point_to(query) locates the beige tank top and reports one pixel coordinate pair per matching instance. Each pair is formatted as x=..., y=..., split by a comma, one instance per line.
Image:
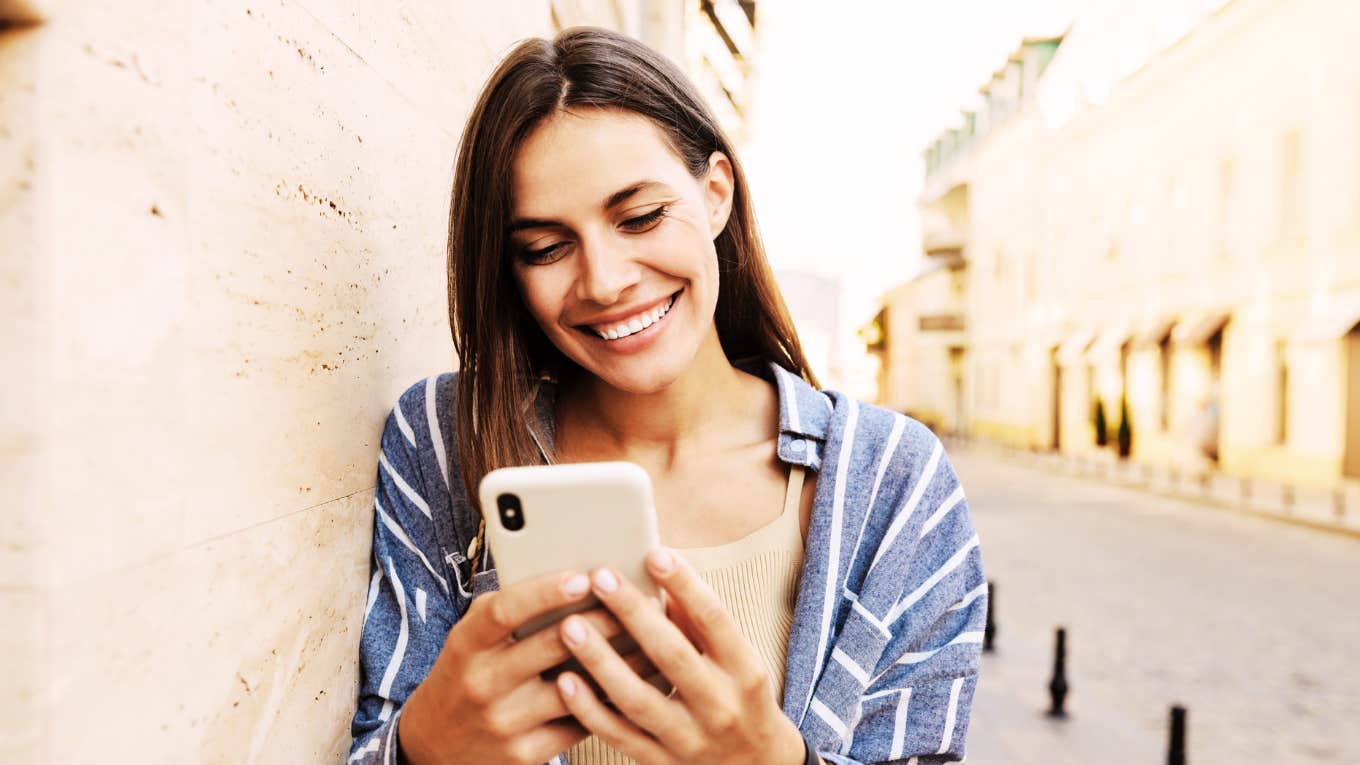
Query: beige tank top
x=757, y=579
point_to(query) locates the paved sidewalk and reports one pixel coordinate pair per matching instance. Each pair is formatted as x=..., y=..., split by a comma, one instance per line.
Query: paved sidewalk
x=1248, y=622
x=1010, y=725
x=1334, y=509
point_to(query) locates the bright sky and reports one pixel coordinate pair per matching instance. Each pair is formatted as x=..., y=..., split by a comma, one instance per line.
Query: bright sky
x=847, y=96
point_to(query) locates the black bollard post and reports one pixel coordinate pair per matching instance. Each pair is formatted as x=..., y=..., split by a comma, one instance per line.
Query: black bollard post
x=989, y=632
x=1057, y=687
x=1175, y=753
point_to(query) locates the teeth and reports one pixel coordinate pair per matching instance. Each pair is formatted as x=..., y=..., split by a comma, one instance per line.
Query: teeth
x=636, y=324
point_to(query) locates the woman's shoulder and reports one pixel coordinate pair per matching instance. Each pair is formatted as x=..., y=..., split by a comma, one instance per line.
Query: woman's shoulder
x=891, y=457
x=860, y=438
x=419, y=441
x=437, y=388
x=420, y=460
x=424, y=415
x=874, y=430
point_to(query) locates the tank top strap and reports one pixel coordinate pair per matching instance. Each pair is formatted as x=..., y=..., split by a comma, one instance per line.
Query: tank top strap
x=794, y=493
x=790, y=518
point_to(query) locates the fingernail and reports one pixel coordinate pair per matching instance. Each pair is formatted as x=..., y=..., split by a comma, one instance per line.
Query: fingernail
x=605, y=581
x=662, y=561
x=567, y=685
x=575, y=632
x=576, y=585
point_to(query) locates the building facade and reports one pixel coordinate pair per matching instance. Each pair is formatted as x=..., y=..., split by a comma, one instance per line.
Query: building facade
x=714, y=41
x=1163, y=216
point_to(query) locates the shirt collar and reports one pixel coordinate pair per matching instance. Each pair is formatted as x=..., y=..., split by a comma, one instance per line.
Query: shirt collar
x=804, y=413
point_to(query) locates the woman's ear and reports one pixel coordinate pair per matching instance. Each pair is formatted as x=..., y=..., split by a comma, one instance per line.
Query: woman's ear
x=718, y=190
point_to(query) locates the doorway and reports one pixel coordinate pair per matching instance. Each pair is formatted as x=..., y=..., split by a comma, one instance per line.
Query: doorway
x=956, y=367
x=1056, y=404
x=1351, y=461
x=1214, y=406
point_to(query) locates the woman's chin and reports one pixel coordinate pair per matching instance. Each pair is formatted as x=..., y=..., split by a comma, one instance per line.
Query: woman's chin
x=640, y=375
x=640, y=382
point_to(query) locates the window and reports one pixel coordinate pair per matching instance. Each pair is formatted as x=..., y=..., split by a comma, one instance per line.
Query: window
x=1090, y=391
x=1291, y=186
x=1281, y=393
x=996, y=386
x=1227, y=182
x=1031, y=276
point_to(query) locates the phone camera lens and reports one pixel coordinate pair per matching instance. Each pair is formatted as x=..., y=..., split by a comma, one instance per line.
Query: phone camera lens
x=512, y=515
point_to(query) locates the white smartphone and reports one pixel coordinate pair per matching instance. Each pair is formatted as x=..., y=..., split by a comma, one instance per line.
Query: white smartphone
x=546, y=518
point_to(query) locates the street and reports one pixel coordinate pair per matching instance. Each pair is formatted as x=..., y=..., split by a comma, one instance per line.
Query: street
x=1250, y=623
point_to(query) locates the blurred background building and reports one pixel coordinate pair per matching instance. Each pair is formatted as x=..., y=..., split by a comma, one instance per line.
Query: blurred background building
x=713, y=40
x=1157, y=211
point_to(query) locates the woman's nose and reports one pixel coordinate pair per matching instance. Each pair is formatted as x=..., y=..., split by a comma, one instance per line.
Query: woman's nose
x=607, y=270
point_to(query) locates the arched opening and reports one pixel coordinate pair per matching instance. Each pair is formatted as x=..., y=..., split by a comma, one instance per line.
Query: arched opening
x=1350, y=466
x=1056, y=400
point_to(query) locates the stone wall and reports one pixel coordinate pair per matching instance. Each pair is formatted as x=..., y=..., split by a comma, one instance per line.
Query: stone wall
x=223, y=230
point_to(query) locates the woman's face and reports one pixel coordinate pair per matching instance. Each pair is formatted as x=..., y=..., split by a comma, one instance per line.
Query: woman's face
x=612, y=241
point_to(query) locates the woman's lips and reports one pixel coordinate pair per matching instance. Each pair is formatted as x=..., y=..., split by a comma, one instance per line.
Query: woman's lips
x=636, y=341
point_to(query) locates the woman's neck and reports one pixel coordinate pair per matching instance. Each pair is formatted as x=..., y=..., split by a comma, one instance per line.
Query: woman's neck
x=712, y=405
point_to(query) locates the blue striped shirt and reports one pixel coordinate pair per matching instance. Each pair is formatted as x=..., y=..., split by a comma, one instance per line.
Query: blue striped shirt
x=884, y=650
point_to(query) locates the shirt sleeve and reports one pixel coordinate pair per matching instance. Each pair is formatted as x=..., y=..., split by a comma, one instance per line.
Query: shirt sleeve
x=409, y=609
x=916, y=706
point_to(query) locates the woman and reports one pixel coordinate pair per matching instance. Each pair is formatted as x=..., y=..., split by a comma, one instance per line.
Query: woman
x=611, y=300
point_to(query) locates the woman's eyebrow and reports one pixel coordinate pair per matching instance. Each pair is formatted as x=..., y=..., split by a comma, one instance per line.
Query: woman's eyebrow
x=613, y=200
x=622, y=195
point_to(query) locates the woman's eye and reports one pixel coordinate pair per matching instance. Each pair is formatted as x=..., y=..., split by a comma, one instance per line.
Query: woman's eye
x=644, y=222
x=543, y=256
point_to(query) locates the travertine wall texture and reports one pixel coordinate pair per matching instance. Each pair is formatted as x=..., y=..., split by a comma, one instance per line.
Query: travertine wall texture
x=222, y=227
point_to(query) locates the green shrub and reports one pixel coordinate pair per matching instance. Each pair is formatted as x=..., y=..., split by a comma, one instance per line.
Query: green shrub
x=1125, y=435
x=1102, y=433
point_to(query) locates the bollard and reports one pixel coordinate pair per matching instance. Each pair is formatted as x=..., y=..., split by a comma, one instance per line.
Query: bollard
x=1057, y=687
x=989, y=632
x=1175, y=753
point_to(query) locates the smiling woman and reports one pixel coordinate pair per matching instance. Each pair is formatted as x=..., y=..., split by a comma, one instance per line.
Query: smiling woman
x=616, y=253
x=610, y=300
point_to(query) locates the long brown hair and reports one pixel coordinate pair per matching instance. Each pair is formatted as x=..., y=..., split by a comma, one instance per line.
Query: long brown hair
x=501, y=349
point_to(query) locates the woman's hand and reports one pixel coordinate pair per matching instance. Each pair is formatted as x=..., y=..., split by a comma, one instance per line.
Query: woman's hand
x=723, y=710
x=484, y=700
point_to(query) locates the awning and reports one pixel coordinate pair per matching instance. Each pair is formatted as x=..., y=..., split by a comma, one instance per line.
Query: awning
x=1330, y=324
x=1198, y=328
x=1152, y=332
x=1071, y=350
x=1108, y=342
